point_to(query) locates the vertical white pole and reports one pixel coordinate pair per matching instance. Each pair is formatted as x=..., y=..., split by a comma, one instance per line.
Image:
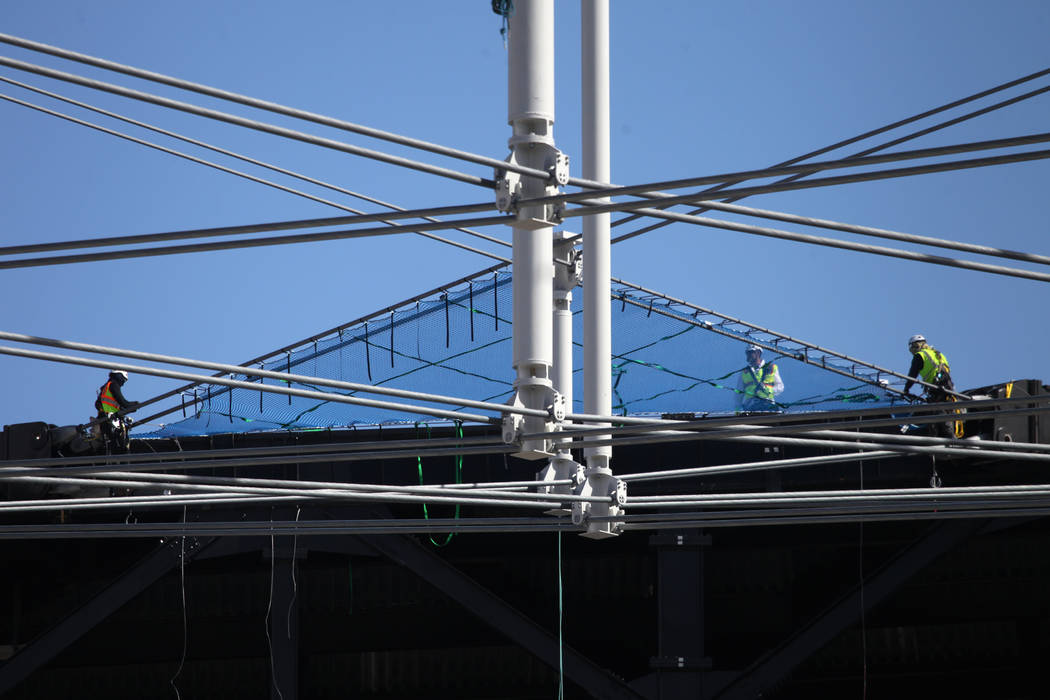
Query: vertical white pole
x=597, y=343
x=597, y=339
x=530, y=112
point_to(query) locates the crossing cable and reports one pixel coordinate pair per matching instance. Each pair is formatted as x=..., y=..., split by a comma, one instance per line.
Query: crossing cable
x=840, y=441
x=256, y=242
x=254, y=386
x=520, y=525
x=914, y=154
x=222, y=168
x=274, y=107
x=314, y=490
x=881, y=233
x=320, y=119
x=587, y=210
x=847, y=420
x=922, y=496
x=203, y=493
x=220, y=231
x=166, y=460
x=260, y=462
x=978, y=409
x=824, y=443
x=247, y=123
x=286, y=377
x=303, y=528
x=837, y=243
x=764, y=465
x=876, y=148
x=395, y=449
x=232, y=154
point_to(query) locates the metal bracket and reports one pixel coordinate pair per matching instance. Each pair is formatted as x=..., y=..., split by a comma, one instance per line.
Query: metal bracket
x=508, y=189
x=567, y=277
x=559, y=169
x=513, y=424
x=556, y=409
x=511, y=428
x=599, y=484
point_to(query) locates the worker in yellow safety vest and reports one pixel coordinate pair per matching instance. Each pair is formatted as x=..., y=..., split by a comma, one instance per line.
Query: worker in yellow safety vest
x=931, y=366
x=758, y=383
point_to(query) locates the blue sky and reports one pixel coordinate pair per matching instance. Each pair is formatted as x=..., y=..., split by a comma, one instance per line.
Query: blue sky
x=697, y=88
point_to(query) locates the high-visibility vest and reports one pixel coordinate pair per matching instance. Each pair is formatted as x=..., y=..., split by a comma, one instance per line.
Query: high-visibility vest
x=933, y=362
x=760, y=384
x=106, y=399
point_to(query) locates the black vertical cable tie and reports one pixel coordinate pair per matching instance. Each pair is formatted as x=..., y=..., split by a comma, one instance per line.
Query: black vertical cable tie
x=391, y=339
x=470, y=292
x=288, y=368
x=495, y=298
x=340, y=354
x=182, y=400
x=419, y=351
x=368, y=359
x=448, y=330
x=315, y=358
x=262, y=381
x=229, y=403
x=196, y=403
x=650, y=311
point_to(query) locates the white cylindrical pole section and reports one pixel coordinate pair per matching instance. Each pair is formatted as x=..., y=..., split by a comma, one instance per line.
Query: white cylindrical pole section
x=566, y=278
x=530, y=93
x=597, y=372
x=530, y=112
x=563, y=345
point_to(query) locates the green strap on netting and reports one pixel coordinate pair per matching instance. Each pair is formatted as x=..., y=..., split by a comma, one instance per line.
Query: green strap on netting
x=459, y=480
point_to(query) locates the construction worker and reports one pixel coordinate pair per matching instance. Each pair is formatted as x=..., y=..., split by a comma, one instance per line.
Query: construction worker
x=930, y=365
x=111, y=401
x=758, y=383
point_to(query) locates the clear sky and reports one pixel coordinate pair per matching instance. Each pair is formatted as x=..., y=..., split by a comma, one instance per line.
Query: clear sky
x=697, y=88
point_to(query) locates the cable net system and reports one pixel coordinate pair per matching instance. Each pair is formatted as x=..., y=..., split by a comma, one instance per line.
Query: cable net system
x=668, y=357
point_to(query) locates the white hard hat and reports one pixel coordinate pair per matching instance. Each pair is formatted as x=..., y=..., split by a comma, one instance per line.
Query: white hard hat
x=753, y=348
x=917, y=338
x=119, y=373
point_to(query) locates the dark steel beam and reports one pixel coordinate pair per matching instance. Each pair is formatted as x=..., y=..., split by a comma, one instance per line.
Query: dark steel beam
x=135, y=580
x=776, y=664
x=284, y=620
x=487, y=606
x=680, y=662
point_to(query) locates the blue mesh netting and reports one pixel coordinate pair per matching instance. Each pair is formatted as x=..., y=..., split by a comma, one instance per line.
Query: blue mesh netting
x=667, y=358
